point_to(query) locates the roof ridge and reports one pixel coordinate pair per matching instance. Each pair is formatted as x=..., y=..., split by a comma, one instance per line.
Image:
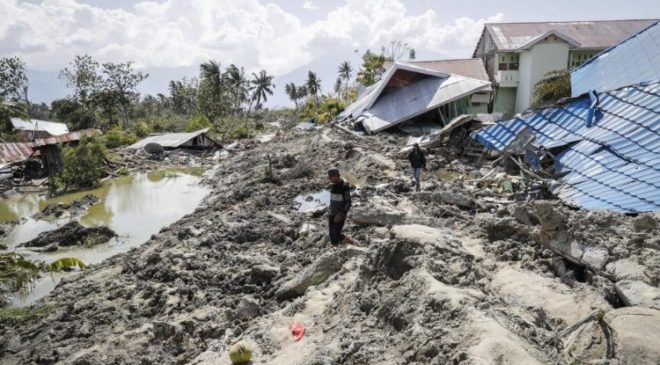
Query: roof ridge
x=575, y=21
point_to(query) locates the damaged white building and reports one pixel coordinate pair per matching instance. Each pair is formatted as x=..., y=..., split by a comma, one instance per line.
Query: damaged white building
x=420, y=93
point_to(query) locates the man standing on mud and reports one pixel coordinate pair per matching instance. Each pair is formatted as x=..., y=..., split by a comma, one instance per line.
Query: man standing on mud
x=417, y=162
x=340, y=203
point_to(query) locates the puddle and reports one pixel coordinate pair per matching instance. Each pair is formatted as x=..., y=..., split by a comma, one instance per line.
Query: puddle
x=313, y=201
x=134, y=206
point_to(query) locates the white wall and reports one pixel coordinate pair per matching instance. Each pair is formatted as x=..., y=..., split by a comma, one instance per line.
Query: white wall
x=534, y=64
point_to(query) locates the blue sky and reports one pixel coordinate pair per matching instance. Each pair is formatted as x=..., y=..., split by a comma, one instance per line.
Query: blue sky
x=169, y=38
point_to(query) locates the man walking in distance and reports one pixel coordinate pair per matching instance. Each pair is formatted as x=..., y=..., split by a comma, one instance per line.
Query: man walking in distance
x=417, y=162
x=340, y=203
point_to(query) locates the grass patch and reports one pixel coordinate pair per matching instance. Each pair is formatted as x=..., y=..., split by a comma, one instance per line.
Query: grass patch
x=14, y=315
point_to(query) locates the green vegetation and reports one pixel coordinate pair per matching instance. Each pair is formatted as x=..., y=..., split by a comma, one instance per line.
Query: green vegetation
x=198, y=122
x=82, y=166
x=117, y=137
x=12, y=315
x=17, y=274
x=555, y=85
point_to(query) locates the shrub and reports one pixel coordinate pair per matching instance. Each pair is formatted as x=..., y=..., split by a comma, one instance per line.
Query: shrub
x=198, y=122
x=142, y=129
x=82, y=166
x=116, y=137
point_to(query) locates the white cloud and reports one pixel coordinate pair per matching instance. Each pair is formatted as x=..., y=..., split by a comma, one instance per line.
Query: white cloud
x=309, y=5
x=252, y=33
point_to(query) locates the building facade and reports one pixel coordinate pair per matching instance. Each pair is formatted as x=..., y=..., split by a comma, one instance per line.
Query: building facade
x=519, y=55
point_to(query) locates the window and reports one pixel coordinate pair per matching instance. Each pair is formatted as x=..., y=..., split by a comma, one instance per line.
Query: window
x=513, y=66
x=503, y=66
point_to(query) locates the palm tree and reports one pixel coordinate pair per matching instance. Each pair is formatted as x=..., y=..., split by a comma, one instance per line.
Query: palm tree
x=211, y=73
x=313, y=84
x=292, y=91
x=338, y=87
x=239, y=84
x=263, y=86
x=301, y=92
x=345, y=73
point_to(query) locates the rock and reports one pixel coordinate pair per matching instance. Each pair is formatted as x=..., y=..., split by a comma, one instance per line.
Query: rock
x=626, y=269
x=248, y=308
x=316, y=273
x=9, y=194
x=71, y=234
x=638, y=293
x=525, y=216
x=456, y=198
x=154, y=149
x=263, y=273
x=635, y=333
x=377, y=215
x=595, y=257
x=645, y=223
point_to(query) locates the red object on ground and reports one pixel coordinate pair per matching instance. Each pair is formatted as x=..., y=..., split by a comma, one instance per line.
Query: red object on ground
x=297, y=330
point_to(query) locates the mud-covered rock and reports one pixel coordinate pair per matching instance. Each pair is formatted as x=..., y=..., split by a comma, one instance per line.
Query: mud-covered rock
x=59, y=210
x=72, y=234
x=638, y=294
x=377, y=215
x=316, y=273
x=635, y=334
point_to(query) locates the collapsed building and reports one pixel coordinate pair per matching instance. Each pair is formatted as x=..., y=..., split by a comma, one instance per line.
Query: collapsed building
x=197, y=140
x=44, y=148
x=603, y=144
x=31, y=129
x=422, y=94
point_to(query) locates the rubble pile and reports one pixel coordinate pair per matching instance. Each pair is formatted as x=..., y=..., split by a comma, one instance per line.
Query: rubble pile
x=127, y=160
x=465, y=272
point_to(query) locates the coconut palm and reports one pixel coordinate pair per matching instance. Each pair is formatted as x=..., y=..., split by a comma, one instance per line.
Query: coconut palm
x=263, y=86
x=313, y=84
x=211, y=73
x=239, y=85
x=345, y=73
x=292, y=91
x=338, y=87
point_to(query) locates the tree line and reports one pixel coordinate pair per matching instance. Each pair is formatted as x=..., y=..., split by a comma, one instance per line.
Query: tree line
x=105, y=96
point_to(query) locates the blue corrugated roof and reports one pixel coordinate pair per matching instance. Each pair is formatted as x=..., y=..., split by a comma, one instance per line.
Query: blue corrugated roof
x=633, y=61
x=613, y=162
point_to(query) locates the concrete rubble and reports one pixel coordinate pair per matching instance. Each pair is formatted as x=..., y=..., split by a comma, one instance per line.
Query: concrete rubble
x=472, y=270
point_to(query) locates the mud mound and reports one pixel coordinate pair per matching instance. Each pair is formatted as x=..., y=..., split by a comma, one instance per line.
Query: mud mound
x=77, y=208
x=71, y=234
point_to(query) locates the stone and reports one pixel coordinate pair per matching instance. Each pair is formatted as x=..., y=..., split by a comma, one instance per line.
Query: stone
x=525, y=216
x=377, y=215
x=638, y=293
x=248, y=308
x=595, y=257
x=635, y=334
x=263, y=273
x=626, y=269
x=316, y=273
x=645, y=223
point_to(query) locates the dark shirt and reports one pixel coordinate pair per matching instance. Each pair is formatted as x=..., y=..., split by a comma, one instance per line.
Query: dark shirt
x=417, y=158
x=340, y=198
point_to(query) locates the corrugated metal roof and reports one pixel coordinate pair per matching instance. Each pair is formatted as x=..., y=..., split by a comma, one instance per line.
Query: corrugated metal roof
x=469, y=67
x=18, y=152
x=612, y=161
x=68, y=137
x=52, y=128
x=14, y=152
x=416, y=99
x=169, y=139
x=587, y=34
x=633, y=61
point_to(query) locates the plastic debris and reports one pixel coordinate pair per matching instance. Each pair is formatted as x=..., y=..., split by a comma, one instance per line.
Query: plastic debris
x=297, y=330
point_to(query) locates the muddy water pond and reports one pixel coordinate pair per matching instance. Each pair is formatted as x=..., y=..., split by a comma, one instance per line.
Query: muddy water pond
x=134, y=206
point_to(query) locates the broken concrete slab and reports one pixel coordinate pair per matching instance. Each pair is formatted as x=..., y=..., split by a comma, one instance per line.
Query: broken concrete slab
x=626, y=269
x=638, y=293
x=316, y=273
x=635, y=334
x=377, y=215
x=529, y=289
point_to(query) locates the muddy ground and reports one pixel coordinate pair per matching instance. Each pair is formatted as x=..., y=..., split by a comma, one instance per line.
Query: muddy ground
x=450, y=275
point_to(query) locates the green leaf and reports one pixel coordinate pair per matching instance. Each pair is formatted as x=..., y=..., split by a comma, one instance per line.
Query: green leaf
x=65, y=263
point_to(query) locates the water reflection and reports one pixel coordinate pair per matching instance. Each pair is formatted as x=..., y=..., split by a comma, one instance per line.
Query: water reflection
x=135, y=207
